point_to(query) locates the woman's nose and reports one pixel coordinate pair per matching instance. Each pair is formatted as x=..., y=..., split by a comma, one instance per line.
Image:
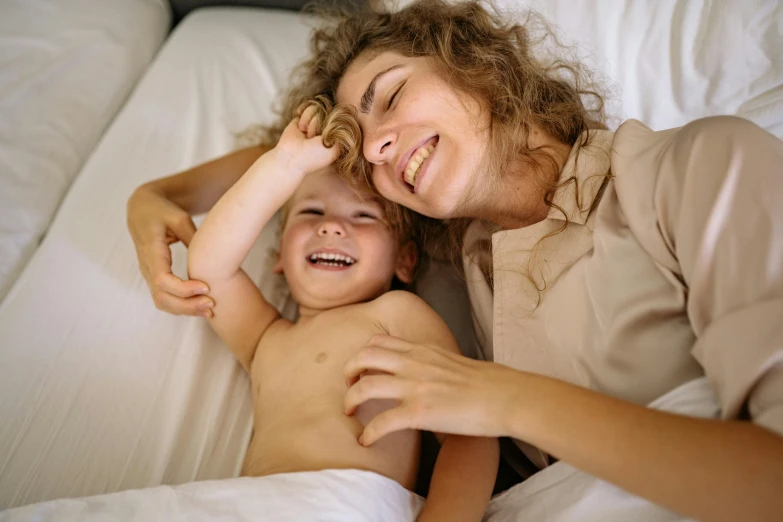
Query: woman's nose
x=379, y=146
x=331, y=227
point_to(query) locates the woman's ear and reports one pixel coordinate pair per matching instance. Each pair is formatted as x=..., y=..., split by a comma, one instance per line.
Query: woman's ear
x=407, y=260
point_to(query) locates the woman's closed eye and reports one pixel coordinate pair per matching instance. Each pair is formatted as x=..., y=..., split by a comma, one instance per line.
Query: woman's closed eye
x=365, y=215
x=312, y=211
x=395, y=95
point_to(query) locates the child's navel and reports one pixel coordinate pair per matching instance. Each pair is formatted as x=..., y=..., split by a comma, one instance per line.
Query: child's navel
x=321, y=357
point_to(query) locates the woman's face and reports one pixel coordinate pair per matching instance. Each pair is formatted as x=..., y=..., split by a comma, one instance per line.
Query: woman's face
x=425, y=141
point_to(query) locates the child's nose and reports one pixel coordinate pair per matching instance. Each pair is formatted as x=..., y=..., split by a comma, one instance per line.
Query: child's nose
x=331, y=228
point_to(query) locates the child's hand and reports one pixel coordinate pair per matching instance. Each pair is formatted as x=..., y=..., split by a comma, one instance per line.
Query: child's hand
x=301, y=146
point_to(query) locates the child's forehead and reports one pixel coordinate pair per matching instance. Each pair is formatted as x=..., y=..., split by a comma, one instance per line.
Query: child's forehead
x=327, y=185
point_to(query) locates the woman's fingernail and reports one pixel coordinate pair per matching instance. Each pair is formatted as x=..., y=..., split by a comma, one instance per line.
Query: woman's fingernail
x=207, y=314
x=206, y=306
x=361, y=440
x=203, y=290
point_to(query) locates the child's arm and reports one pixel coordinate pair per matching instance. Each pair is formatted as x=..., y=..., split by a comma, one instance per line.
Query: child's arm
x=466, y=468
x=241, y=315
x=463, y=479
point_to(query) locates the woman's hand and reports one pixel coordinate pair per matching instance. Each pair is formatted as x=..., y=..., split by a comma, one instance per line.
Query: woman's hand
x=155, y=223
x=301, y=146
x=438, y=390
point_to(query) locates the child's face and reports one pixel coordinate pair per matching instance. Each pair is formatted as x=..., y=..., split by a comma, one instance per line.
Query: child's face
x=336, y=248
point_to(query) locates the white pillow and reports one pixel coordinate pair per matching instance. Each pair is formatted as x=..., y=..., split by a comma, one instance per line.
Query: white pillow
x=66, y=68
x=675, y=61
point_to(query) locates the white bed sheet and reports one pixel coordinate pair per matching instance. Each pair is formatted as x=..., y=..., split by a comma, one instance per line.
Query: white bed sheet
x=100, y=392
x=66, y=68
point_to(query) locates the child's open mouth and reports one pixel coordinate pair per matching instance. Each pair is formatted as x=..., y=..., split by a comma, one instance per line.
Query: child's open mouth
x=331, y=260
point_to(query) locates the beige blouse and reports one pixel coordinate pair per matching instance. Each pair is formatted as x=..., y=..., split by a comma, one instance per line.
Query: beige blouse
x=676, y=273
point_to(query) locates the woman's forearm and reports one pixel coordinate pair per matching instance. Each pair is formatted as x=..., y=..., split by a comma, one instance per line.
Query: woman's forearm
x=196, y=190
x=232, y=226
x=703, y=468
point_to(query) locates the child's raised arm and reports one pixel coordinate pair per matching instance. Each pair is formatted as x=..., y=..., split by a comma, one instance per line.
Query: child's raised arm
x=241, y=315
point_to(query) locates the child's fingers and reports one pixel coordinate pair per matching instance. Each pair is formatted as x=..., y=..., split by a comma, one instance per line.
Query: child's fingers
x=312, y=128
x=306, y=117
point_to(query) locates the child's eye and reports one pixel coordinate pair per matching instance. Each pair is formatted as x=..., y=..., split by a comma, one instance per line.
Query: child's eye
x=313, y=211
x=366, y=215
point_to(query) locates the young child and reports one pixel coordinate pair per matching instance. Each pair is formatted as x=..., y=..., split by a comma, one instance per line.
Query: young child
x=339, y=255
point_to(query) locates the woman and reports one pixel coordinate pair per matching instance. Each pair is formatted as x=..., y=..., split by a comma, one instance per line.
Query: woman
x=623, y=265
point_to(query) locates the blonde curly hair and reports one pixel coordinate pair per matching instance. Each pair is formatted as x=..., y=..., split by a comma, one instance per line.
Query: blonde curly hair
x=513, y=66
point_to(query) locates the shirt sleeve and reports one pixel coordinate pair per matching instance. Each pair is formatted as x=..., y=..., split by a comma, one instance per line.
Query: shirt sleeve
x=718, y=197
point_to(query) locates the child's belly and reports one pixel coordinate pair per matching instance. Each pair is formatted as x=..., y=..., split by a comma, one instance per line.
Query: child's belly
x=298, y=431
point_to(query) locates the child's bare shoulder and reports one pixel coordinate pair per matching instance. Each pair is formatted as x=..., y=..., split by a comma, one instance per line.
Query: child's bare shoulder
x=402, y=302
x=409, y=317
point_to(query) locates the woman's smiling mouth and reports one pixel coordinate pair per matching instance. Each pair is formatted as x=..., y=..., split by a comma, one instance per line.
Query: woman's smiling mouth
x=414, y=161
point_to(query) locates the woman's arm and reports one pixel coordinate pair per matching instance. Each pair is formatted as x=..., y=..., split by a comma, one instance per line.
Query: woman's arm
x=196, y=190
x=705, y=469
x=158, y=214
x=717, y=194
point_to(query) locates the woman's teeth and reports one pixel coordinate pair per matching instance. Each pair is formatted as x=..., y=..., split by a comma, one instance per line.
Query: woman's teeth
x=331, y=259
x=417, y=158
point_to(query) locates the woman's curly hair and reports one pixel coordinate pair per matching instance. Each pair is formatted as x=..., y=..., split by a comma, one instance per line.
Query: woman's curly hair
x=510, y=64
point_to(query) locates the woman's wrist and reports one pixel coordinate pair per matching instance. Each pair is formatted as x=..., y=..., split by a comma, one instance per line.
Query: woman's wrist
x=516, y=398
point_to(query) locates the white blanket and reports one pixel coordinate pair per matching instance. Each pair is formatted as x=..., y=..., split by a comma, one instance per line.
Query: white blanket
x=561, y=493
x=347, y=495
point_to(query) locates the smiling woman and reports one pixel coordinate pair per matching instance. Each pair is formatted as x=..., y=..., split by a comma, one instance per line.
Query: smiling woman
x=606, y=269
x=620, y=269
x=470, y=95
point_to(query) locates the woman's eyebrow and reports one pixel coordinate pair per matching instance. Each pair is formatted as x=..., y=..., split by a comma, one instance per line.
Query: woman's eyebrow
x=365, y=105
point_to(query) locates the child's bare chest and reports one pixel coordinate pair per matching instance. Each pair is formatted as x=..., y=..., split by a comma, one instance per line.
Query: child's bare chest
x=305, y=361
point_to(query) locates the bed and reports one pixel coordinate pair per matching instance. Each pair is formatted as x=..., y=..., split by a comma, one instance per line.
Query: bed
x=99, y=391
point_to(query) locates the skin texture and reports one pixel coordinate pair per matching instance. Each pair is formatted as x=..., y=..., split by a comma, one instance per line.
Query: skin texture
x=296, y=368
x=705, y=469
x=412, y=105
x=701, y=468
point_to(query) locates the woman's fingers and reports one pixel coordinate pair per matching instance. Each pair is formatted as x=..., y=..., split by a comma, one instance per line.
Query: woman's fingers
x=371, y=358
x=390, y=342
x=171, y=284
x=182, y=227
x=391, y=420
x=200, y=306
x=172, y=294
x=372, y=387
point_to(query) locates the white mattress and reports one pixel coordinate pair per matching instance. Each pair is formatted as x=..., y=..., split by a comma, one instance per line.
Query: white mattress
x=100, y=392
x=66, y=68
